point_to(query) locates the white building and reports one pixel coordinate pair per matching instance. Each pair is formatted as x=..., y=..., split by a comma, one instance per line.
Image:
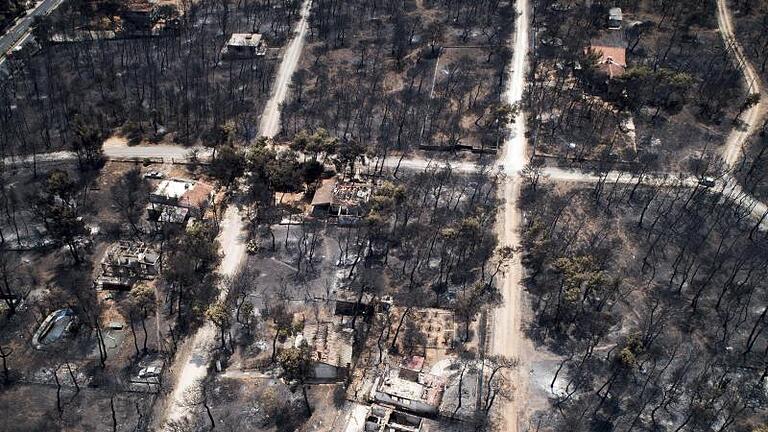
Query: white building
x=175, y=200
x=244, y=45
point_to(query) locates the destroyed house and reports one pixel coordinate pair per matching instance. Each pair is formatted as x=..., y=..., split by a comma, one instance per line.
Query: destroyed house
x=385, y=419
x=126, y=262
x=244, y=45
x=438, y=325
x=351, y=304
x=411, y=366
x=344, y=201
x=331, y=350
x=420, y=397
x=167, y=214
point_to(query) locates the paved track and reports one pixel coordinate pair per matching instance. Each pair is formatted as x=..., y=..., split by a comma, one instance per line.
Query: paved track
x=13, y=35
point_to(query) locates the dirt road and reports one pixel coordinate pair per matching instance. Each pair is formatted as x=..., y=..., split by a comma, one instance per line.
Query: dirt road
x=195, y=362
x=194, y=366
x=507, y=337
x=270, y=119
x=752, y=117
x=619, y=177
x=171, y=153
x=506, y=333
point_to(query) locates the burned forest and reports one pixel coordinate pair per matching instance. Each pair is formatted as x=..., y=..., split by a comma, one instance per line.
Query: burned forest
x=384, y=216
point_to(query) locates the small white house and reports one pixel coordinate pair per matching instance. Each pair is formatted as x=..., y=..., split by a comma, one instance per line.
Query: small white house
x=244, y=45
